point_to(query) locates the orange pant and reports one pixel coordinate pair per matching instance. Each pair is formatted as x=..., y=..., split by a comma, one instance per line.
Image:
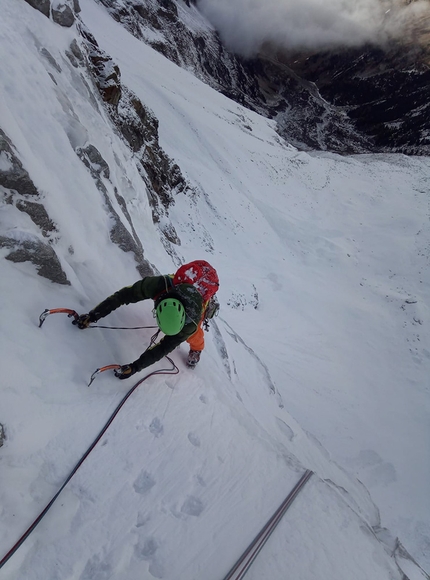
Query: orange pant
x=197, y=340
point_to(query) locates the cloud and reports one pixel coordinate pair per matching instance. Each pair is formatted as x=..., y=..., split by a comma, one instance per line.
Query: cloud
x=245, y=25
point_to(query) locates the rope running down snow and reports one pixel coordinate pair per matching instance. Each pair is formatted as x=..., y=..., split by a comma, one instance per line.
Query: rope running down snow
x=173, y=371
x=245, y=561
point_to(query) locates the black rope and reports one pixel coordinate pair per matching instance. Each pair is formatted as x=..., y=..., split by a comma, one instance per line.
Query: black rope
x=173, y=371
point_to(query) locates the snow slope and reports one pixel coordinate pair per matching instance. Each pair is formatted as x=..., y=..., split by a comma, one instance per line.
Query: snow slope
x=319, y=360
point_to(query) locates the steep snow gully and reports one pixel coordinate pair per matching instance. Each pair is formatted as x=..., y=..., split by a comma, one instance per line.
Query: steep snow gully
x=319, y=359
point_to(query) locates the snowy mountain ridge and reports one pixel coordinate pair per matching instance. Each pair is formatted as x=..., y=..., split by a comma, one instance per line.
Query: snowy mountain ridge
x=115, y=164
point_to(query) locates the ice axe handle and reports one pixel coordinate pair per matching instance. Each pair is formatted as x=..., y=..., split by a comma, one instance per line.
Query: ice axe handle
x=101, y=370
x=47, y=312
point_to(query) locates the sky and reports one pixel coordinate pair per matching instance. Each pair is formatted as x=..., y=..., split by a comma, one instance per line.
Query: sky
x=246, y=25
x=319, y=359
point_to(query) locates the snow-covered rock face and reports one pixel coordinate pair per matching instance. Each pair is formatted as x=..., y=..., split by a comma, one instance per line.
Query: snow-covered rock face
x=351, y=100
x=138, y=127
x=12, y=173
x=21, y=195
x=346, y=101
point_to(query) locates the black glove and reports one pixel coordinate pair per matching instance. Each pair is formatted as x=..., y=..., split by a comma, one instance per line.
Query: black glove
x=124, y=372
x=84, y=320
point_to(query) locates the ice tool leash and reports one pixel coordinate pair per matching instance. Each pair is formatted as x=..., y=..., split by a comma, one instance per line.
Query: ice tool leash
x=72, y=313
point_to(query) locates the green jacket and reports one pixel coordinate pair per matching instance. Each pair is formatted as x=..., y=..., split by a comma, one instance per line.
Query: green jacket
x=153, y=287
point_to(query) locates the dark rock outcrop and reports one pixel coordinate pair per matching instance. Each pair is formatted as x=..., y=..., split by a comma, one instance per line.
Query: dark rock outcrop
x=20, y=191
x=106, y=74
x=38, y=216
x=63, y=13
x=43, y=6
x=38, y=253
x=12, y=173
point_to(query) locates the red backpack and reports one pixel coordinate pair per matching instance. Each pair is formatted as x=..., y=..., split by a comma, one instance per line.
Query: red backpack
x=201, y=275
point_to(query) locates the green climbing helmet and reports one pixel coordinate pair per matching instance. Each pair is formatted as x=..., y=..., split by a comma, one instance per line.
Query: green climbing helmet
x=170, y=315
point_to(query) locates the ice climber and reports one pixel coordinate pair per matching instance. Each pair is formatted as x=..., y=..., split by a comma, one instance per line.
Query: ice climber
x=182, y=302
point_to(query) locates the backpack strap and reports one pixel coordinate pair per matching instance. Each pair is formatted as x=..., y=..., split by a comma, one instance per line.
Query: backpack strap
x=168, y=286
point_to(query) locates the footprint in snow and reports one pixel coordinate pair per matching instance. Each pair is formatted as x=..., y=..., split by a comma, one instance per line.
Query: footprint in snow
x=286, y=429
x=200, y=480
x=192, y=506
x=156, y=427
x=146, y=549
x=96, y=569
x=143, y=483
x=194, y=439
x=204, y=399
x=142, y=519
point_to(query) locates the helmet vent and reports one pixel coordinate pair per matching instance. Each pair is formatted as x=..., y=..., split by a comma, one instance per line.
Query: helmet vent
x=170, y=314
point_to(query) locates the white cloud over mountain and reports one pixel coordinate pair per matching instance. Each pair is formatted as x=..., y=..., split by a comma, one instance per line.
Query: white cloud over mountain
x=245, y=25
